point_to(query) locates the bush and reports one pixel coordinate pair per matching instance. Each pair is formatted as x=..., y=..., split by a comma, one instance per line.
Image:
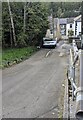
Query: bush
x=70, y=32
x=21, y=41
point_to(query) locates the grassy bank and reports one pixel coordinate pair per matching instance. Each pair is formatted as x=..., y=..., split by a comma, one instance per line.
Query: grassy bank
x=16, y=55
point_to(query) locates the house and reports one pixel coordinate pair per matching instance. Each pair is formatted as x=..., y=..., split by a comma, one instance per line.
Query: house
x=74, y=24
x=63, y=23
x=77, y=25
x=62, y=26
x=70, y=26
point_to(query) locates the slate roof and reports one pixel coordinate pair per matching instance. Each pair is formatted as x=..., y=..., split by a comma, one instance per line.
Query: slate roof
x=63, y=21
x=70, y=20
x=78, y=18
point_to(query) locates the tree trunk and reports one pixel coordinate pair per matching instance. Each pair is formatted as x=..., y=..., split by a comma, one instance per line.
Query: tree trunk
x=25, y=5
x=12, y=24
x=24, y=17
x=11, y=41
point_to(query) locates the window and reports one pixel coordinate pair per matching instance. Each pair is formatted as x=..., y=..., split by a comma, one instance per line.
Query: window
x=76, y=23
x=70, y=25
x=62, y=26
x=75, y=28
x=51, y=31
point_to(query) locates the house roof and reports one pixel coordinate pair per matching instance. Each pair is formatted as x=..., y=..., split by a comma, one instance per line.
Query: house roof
x=66, y=20
x=70, y=20
x=78, y=18
x=63, y=20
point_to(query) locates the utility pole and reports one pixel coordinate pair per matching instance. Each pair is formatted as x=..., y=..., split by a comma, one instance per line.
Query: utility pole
x=52, y=19
x=53, y=23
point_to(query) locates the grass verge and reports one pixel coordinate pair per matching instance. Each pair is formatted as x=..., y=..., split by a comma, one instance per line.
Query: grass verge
x=16, y=55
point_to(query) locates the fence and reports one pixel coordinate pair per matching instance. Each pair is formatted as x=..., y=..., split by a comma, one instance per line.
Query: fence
x=77, y=91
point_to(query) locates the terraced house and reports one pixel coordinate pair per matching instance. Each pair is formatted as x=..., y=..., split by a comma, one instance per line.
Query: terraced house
x=68, y=26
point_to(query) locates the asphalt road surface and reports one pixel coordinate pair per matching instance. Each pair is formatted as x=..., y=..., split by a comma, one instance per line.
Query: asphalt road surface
x=32, y=88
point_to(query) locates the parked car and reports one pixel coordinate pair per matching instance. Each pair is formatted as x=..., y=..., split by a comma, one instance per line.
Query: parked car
x=49, y=42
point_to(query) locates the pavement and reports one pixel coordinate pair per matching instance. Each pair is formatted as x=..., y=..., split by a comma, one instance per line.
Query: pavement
x=32, y=89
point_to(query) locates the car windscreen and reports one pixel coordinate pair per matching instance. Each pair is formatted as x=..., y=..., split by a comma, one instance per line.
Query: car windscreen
x=48, y=39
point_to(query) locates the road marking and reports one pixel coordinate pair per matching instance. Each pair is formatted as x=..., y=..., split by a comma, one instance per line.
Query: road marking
x=48, y=53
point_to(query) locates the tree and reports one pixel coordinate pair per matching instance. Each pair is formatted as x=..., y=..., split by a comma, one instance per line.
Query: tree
x=25, y=7
x=5, y=26
x=24, y=24
x=24, y=16
x=65, y=9
x=12, y=24
x=70, y=32
x=59, y=13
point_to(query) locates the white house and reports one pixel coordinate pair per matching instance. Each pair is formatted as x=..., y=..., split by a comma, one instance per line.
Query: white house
x=77, y=25
x=66, y=24
x=63, y=23
x=73, y=24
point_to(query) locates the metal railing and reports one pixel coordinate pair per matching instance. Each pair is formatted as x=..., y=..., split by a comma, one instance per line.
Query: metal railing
x=77, y=90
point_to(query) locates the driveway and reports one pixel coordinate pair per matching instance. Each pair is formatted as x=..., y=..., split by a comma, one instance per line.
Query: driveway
x=32, y=88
